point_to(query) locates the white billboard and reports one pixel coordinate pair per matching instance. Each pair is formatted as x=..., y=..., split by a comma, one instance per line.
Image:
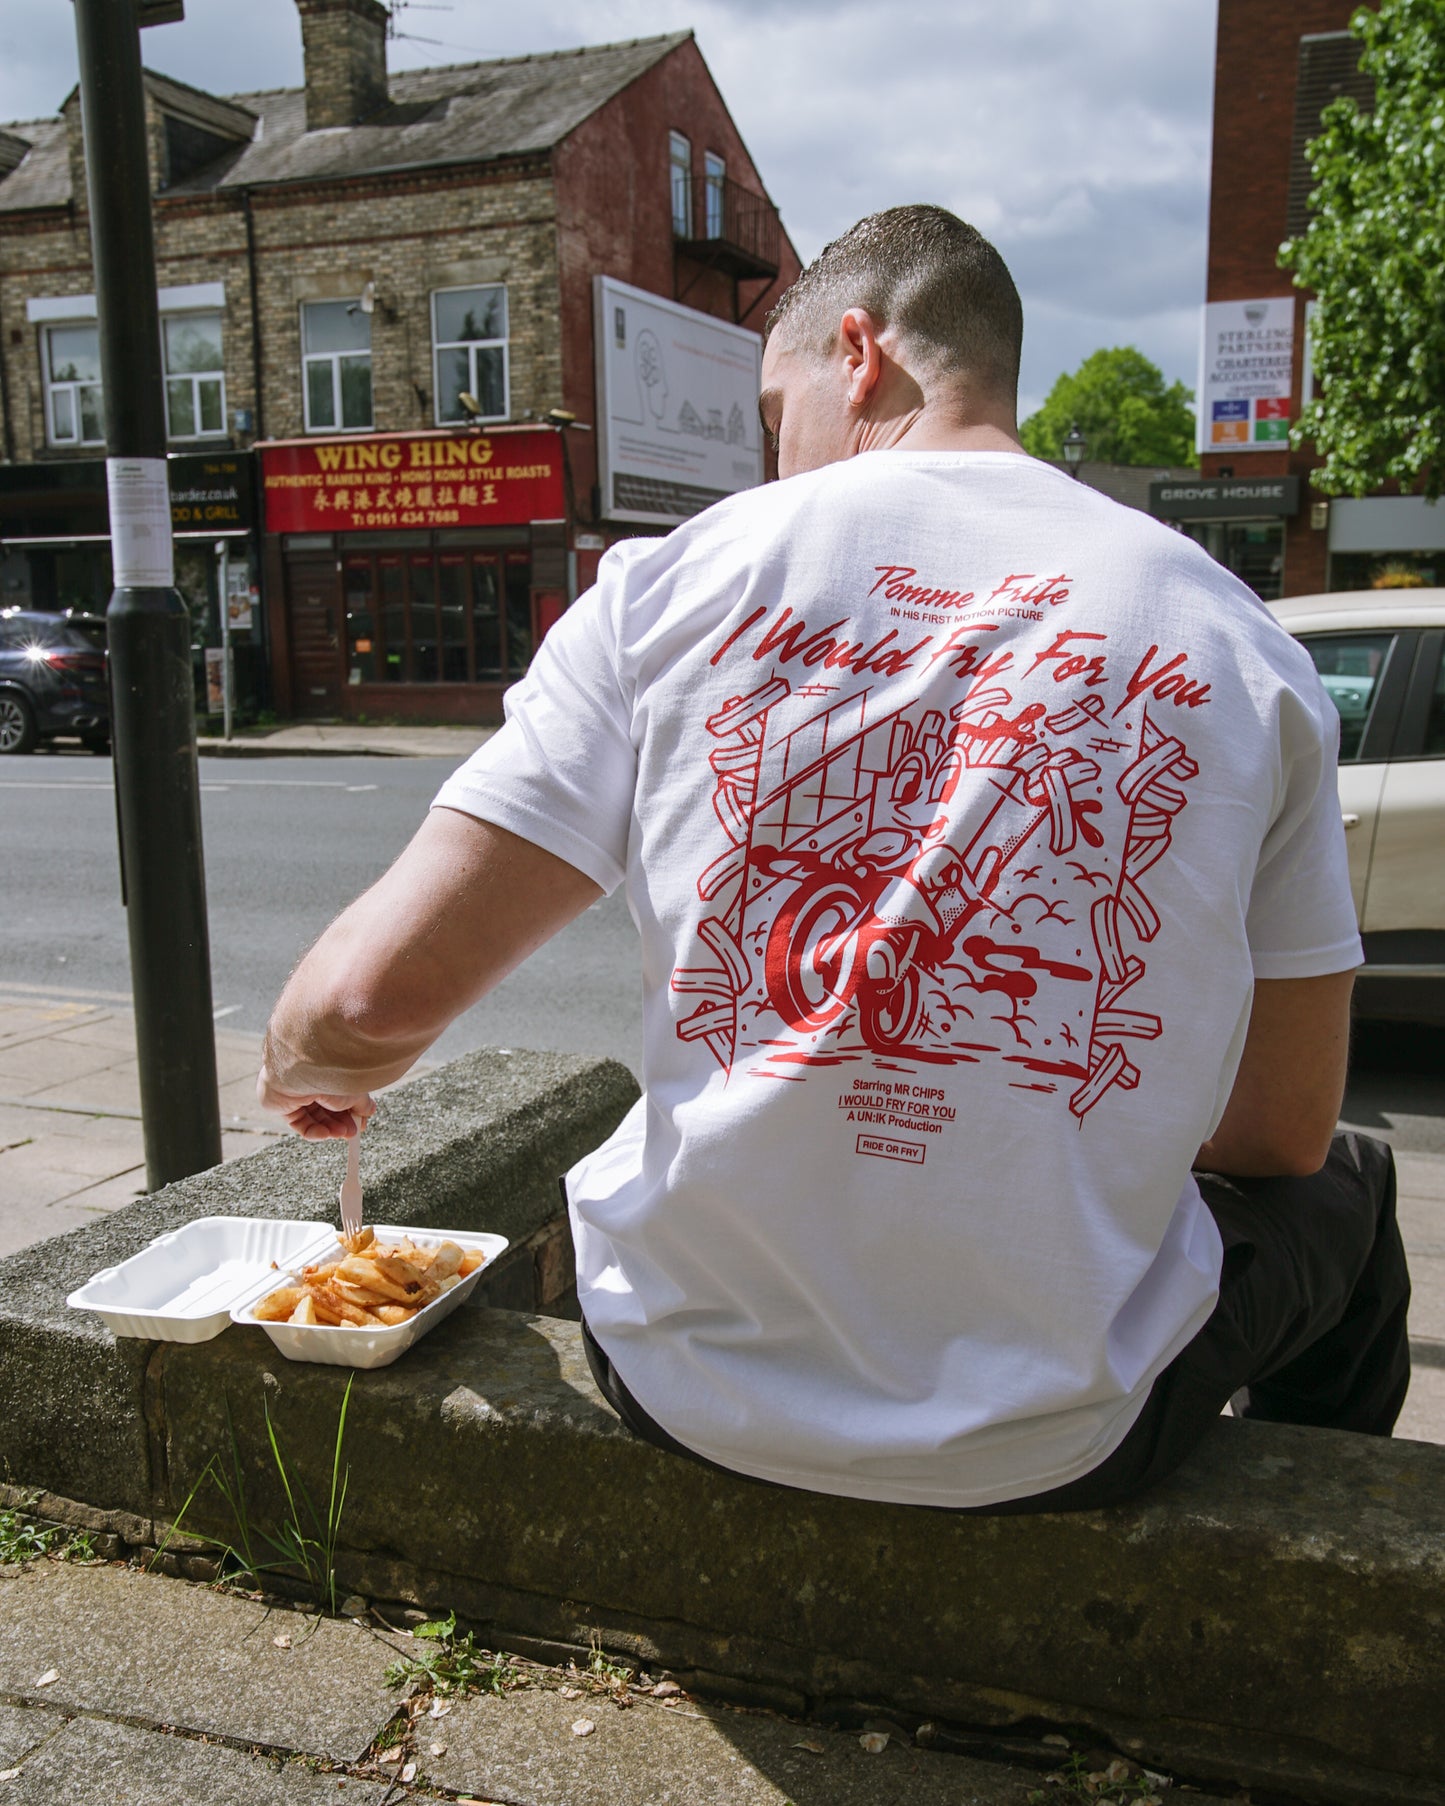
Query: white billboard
x=677, y=406
x=1246, y=366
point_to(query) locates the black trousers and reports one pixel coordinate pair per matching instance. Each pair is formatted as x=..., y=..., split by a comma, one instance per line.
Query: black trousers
x=1309, y=1328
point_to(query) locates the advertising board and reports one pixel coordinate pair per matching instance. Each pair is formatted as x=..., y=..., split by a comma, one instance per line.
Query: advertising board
x=677, y=406
x=400, y=480
x=1246, y=363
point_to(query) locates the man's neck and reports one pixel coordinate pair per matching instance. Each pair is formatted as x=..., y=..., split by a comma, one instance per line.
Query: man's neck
x=929, y=434
x=930, y=428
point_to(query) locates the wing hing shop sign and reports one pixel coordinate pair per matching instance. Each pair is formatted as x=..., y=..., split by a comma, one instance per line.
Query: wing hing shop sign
x=411, y=480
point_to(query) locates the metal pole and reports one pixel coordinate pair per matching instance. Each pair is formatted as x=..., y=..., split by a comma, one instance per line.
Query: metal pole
x=223, y=552
x=147, y=626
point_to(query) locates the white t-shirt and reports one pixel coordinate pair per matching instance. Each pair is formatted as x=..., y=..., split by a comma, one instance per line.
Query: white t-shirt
x=958, y=808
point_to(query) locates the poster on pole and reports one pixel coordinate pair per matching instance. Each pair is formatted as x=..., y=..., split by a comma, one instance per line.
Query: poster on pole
x=1246, y=362
x=677, y=406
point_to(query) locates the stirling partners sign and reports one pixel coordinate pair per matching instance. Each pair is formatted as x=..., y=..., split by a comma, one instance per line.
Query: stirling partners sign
x=677, y=406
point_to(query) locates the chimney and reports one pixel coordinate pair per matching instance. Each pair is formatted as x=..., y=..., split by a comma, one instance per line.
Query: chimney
x=344, y=46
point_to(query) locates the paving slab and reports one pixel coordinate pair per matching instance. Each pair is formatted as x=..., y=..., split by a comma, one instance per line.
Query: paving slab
x=139, y=1646
x=126, y=1745
x=95, y=1763
x=41, y=1062
x=23, y=1729
x=522, y=1749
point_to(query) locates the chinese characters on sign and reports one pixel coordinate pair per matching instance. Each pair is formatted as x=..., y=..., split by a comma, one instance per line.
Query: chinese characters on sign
x=1245, y=368
x=413, y=481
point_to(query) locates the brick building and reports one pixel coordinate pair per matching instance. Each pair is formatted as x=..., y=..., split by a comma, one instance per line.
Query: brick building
x=378, y=298
x=1278, y=64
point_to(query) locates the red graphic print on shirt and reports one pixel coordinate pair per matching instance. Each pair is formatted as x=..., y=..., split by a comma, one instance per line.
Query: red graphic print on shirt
x=937, y=884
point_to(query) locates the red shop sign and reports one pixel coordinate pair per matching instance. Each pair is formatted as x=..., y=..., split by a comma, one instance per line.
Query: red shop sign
x=409, y=480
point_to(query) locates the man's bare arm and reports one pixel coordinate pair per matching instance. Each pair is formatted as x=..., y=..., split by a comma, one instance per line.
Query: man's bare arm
x=462, y=906
x=1287, y=1094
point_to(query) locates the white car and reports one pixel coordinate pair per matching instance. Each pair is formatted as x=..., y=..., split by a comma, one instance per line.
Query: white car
x=1381, y=656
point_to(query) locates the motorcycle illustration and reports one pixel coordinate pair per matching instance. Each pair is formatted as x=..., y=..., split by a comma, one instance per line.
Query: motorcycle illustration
x=866, y=924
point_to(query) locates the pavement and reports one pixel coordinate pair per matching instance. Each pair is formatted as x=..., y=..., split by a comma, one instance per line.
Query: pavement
x=124, y=1688
x=338, y=738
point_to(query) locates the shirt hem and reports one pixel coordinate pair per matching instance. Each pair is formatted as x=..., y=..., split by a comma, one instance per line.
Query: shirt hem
x=1315, y=962
x=530, y=824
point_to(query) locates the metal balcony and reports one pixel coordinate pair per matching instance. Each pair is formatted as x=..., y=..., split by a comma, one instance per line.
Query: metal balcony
x=728, y=228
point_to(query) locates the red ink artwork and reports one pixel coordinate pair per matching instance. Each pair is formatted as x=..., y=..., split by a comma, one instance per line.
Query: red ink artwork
x=935, y=884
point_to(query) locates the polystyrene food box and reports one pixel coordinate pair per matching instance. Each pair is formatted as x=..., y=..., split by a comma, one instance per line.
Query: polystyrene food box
x=190, y=1283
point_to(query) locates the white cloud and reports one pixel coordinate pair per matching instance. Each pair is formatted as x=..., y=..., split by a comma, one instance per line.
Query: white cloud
x=1074, y=135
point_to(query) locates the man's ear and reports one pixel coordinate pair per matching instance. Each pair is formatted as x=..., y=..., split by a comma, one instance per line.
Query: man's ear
x=862, y=360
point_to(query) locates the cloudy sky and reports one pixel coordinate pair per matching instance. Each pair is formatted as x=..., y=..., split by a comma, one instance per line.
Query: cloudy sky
x=1075, y=133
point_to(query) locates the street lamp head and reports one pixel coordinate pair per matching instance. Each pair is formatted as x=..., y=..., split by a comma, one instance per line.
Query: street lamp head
x=1075, y=445
x=469, y=405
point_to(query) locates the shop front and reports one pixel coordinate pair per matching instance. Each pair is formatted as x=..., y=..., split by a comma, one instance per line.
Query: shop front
x=1240, y=522
x=55, y=553
x=412, y=575
x=1386, y=542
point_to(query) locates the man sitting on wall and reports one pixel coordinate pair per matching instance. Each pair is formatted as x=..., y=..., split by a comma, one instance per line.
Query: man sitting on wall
x=983, y=841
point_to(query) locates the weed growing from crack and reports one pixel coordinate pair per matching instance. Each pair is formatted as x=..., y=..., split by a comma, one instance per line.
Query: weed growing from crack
x=1077, y=1782
x=22, y=1538
x=447, y=1663
x=602, y=1668
x=303, y=1546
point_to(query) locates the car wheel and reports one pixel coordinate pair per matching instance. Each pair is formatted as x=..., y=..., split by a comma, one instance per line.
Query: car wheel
x=17, y=724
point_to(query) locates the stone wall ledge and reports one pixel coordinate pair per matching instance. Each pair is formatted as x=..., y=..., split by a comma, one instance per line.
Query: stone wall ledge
x=476, y=1144
x=1273, y=1616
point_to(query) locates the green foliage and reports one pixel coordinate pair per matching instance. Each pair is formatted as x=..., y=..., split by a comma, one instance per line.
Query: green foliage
x=303, y=1545
x=447, y=1663
x=1123, y=408
x=23, y=1539
x=1374, y=255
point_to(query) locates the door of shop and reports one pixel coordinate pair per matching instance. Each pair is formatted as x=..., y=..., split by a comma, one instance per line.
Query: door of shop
x=314, y=610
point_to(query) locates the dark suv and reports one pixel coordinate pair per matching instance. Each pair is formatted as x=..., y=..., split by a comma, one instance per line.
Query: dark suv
x=52, y=680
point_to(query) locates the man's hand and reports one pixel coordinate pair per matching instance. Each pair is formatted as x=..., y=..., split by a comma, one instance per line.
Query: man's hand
x=330, y=1118
x=464, y=904
x=1290, y=1084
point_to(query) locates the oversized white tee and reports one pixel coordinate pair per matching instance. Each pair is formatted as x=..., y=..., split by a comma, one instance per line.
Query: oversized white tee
x=958, y=809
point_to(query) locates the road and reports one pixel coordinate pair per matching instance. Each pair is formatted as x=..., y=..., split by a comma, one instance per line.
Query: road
x=290, y=841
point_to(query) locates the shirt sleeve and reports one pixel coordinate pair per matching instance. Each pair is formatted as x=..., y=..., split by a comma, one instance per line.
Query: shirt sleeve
x=1301, y=921
x=562, y=771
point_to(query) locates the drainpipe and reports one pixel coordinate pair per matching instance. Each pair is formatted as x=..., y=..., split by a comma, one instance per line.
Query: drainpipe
x=5, y=397
x=255, y=311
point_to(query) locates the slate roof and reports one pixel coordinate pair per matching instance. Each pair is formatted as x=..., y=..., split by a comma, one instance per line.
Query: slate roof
x=463, y=113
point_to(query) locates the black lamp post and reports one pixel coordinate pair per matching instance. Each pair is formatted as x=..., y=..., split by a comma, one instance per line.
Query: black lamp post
x=1075, y=445
x=147, y=628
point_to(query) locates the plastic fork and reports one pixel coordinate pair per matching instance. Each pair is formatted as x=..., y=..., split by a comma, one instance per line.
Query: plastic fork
x=350, y=1194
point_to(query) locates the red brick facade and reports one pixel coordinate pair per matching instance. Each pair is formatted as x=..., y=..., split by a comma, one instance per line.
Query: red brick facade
x=1256, y=65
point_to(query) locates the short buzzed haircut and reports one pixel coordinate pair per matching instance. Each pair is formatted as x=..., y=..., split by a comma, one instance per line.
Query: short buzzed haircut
x=936, y=281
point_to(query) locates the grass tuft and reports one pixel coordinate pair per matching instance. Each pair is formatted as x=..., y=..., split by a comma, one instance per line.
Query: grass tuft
x=303, y=1546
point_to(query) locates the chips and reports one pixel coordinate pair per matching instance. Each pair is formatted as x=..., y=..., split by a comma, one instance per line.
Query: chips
x=373, y=1285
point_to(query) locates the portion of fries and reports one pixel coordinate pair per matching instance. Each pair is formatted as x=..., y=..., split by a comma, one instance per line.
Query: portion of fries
x=373, y=1285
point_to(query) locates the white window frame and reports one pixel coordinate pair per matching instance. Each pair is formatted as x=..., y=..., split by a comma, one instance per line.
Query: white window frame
x=714, y=193
x=195, y=377
x=471, y=345
x=679, y=163
x=71, y=388
x=334, y=359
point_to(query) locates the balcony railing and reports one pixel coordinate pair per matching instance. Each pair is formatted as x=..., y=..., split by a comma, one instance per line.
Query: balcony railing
x=730, y=227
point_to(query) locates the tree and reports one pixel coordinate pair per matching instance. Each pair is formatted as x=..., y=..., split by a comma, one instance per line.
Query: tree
x=1121, y=405
x=1374, y=255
